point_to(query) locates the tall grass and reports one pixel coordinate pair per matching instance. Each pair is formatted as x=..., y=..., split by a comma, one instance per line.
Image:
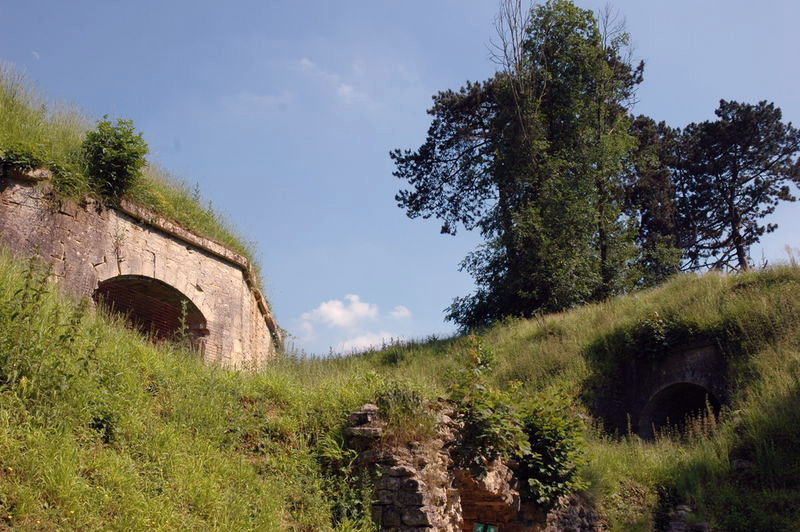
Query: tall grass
x=100, y=429
x=740, y=472
x=36, y=132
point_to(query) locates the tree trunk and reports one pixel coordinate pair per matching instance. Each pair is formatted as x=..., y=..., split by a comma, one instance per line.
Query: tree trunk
x=602, y=242
x=738, y=242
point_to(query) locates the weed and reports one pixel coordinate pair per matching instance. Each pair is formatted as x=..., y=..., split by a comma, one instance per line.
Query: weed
x=407, y=414
x=96, y=421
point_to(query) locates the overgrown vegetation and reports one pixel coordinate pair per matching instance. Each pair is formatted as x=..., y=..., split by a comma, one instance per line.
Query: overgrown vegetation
x=36, y=133
x=734, y=471
x=551, y=467
x=101, y=429
x=491, y=422
x=408, y=418
x=539, y=432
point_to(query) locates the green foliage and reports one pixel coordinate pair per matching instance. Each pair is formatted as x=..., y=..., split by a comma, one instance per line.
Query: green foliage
x=540, y=433
x=39, y=365
x=575, y=199
x=731, y=475
x=491, y=425
x=23, y=157
x=651, y=195
x=733, y=172
x=533, y=158
x=650, y=336
x=553, y=464
x=406, y=414
x=114, y=157
x=101, y=430
x=349, y=487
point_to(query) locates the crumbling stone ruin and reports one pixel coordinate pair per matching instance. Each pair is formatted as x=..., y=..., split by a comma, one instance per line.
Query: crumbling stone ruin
x=418, y=488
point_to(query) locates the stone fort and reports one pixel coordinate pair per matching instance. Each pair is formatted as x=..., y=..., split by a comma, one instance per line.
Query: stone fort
x=162, y=277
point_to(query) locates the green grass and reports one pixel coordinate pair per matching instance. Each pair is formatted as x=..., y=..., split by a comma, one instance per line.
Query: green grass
x=742, y=473
x=36, y=132
x=100, y=429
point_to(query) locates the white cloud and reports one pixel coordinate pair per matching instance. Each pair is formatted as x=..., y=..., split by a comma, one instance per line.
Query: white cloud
x=338, y=313
x=307, y=331
x=307, y=65
x=35, y=55
x=366, y=341
x=278, y=101
x=349, y=325
x=358, y=68
x=344, y=90
x=400, y=312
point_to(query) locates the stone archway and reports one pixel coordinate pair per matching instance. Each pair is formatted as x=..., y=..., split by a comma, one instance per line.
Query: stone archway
x=646, y=391
x=153, y=307
x=673, y=405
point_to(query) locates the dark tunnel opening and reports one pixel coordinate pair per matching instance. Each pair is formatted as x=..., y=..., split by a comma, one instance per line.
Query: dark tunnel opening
x=671, y=408
x=153, y=307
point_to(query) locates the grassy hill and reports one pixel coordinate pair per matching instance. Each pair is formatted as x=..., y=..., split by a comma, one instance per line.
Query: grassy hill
x=101, y=429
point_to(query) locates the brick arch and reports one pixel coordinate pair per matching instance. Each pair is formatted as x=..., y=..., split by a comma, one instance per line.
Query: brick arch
x=153, y=306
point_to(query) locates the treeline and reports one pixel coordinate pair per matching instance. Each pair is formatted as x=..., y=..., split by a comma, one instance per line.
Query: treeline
x=578, y=199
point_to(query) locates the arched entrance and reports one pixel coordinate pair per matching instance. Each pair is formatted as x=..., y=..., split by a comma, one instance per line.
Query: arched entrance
x=154, y=307
x=673, y=405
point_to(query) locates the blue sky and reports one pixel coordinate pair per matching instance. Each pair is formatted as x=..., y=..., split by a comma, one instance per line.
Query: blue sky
x=284, y=114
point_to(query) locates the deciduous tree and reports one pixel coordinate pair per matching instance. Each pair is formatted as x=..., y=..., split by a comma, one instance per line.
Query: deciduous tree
x=532, y=158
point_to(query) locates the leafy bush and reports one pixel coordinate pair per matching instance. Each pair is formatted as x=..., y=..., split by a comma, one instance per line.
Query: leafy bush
x=24, y=157
x=552, y=465
x=37, y=133
x=544, y=435
x=114, y=157
x=491, y=425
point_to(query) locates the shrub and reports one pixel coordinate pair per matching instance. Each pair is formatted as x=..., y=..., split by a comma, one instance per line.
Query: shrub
x=552, y=465
x=22, y=156
x=491, y=425
x=114, y=157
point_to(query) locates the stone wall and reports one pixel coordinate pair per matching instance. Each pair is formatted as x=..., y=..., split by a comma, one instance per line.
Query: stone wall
x=88, y=244
x=413, y=488
x=418, y=488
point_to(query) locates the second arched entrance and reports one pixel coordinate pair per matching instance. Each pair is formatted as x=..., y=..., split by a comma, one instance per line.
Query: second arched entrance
x=673, y=406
